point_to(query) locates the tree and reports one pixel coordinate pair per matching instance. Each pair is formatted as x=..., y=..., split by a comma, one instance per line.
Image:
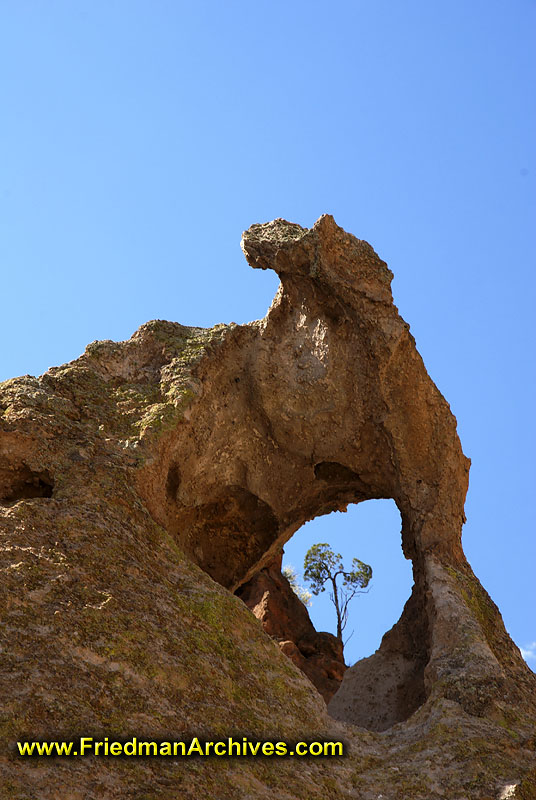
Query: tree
x=292, y=577
x=322, y=566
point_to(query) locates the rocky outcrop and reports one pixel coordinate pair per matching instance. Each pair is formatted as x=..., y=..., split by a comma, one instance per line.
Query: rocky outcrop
x=145, y=482
x=284, y=617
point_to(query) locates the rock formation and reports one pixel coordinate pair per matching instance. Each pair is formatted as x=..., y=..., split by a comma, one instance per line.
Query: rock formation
x=145, y=482
x=285, y=618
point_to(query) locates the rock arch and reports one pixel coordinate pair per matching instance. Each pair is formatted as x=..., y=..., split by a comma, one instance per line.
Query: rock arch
x=126, y=470
x=327, y=402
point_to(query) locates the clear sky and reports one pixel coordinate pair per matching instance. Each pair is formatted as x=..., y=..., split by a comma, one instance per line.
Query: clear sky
x=138, y=140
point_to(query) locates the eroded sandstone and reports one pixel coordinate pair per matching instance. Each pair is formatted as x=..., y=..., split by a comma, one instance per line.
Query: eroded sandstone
x=145, y=482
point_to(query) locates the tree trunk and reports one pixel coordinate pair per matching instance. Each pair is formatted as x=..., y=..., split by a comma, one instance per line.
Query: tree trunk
x=337, y=609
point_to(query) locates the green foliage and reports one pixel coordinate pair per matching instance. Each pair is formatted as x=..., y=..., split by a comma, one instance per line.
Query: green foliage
x=292, y=577
x=322, y=566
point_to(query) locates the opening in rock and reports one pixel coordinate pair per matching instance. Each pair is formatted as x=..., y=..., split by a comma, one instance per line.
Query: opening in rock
x=21, y=483
x=386, y=636
x=387, y=686
x=173, y=482
x=370, y=532
x=236, y=536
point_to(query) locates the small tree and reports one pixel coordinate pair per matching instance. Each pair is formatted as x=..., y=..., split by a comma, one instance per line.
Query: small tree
x=322, y=565
x=292, y=577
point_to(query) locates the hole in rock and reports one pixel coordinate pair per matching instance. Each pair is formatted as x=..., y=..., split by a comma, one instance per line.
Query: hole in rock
x=21, y=483
x=237, y=538
x=386, y=634
x=173, y=482
x=368, y=531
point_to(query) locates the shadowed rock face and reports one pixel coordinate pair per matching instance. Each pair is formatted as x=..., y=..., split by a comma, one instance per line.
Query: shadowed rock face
x=146, y=481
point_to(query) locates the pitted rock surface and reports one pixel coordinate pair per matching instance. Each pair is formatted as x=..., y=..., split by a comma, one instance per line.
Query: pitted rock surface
x=145, y=482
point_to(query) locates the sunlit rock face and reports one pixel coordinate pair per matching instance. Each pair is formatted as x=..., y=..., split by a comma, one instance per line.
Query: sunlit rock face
x=145, y=482
x=285, y=618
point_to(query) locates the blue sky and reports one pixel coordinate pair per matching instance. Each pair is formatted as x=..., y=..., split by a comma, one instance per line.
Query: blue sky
x=139, y=139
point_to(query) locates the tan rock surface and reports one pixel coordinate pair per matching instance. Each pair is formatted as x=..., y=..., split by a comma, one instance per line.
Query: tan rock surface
x=143, y=483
